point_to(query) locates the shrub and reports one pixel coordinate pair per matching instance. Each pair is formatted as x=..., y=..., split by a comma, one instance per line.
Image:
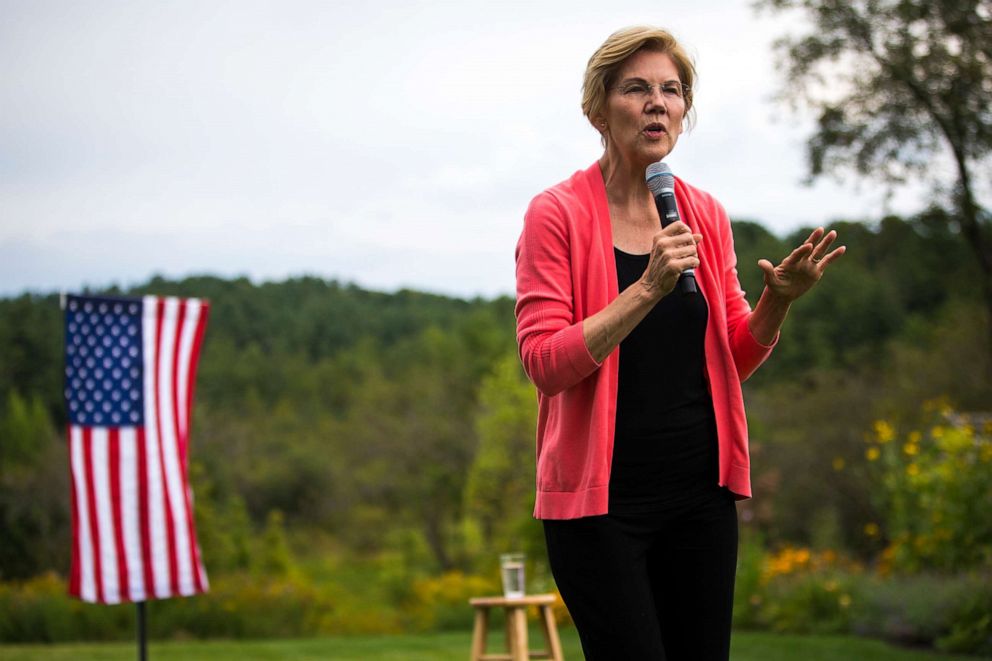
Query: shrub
x=237, y=606
x=952, y=613
x=40, y=610
x=933, y=489
x=796, y=590
x=441, y=602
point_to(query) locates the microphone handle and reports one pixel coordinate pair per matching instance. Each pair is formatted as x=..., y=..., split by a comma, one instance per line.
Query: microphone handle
x=668, y=211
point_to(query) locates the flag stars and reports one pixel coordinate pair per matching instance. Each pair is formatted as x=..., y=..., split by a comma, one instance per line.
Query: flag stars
x=103, y=362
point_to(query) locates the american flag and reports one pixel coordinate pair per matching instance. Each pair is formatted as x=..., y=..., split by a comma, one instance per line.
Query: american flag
x=130, y=368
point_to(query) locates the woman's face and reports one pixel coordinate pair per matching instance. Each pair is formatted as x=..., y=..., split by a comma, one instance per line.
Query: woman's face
x=644, y=110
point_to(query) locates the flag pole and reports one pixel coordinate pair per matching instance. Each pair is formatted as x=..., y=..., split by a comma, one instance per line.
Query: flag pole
x=142, y=642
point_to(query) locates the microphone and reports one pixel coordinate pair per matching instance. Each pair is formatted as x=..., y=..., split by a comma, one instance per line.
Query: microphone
x=661, y=181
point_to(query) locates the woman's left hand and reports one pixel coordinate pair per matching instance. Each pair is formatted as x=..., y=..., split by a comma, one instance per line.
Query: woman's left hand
x=803, y=267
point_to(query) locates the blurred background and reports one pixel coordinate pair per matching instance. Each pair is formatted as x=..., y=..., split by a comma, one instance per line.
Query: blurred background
x=345, y=182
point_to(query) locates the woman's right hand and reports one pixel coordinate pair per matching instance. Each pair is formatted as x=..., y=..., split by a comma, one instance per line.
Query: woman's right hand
x=673, y=251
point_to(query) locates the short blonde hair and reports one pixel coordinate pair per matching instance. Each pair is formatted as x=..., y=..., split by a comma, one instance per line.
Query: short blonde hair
x=605, y=64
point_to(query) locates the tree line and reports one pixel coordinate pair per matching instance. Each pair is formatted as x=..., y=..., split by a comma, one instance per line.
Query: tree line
x=403, y=420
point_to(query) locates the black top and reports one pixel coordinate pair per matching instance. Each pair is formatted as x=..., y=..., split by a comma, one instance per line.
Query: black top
x=665, y=450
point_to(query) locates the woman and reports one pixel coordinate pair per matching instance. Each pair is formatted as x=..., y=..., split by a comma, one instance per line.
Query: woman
x=642, y=440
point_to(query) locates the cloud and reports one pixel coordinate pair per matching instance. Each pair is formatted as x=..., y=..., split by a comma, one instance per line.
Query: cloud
x=391, y=143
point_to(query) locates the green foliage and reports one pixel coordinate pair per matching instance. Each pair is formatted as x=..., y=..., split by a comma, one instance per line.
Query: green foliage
x=441, y=602
x=951, y=613
x=809, y=605
x=499, y=492
x=40, y=610
x=394, y=435
x=798, y=590
x=223, y=526
x=34, y=498
x=31, y=350
x=237, y=606
x=275, y=558
x=933, y=491
x=899, y=85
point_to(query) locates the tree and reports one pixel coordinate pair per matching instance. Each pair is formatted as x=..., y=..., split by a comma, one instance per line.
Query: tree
x=499, y=492
x=899, y=85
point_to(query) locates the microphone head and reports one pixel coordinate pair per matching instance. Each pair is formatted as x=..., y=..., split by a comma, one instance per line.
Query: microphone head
x=659, y=178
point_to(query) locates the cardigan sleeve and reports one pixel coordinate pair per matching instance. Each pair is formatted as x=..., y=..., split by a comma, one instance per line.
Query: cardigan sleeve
x=747, y=352
x=550, y=341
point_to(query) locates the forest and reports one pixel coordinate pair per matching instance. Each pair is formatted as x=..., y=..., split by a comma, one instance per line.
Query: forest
x=360, y=458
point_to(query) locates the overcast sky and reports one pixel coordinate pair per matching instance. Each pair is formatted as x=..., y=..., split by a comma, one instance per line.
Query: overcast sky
x=391, y=143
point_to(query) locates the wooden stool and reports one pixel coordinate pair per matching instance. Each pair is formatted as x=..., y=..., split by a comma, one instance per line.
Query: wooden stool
x=516, y=628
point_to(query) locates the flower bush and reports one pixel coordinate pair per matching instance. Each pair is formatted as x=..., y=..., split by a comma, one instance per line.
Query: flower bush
x=932, y=484
x=796, y=590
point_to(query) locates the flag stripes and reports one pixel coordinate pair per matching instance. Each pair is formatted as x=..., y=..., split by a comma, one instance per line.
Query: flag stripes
x=134, y=534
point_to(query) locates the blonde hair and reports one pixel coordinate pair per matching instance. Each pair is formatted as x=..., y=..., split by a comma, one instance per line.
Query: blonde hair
x=605, y=64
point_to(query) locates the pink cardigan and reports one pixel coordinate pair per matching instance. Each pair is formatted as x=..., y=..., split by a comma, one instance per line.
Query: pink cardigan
x=565, y=273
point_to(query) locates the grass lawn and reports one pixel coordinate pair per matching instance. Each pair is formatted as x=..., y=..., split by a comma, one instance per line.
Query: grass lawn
x=453, y=646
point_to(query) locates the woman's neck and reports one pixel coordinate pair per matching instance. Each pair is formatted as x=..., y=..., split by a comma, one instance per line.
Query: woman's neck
x=625, y=186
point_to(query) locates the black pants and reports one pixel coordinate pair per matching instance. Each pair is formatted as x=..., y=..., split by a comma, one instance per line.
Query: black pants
x=647, y=588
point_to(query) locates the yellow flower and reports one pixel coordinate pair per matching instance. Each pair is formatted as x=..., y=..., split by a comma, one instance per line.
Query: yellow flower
x=914, y=436
x=830, y=586
x=871, y=529
x=912, y=470
x=838, y=463
x=844, y=600
x=911, y=449
x=936, y=432
x=872, y=454
x=884, y=431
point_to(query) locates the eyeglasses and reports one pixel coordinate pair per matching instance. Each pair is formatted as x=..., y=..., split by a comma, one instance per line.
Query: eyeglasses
x=642, y=91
